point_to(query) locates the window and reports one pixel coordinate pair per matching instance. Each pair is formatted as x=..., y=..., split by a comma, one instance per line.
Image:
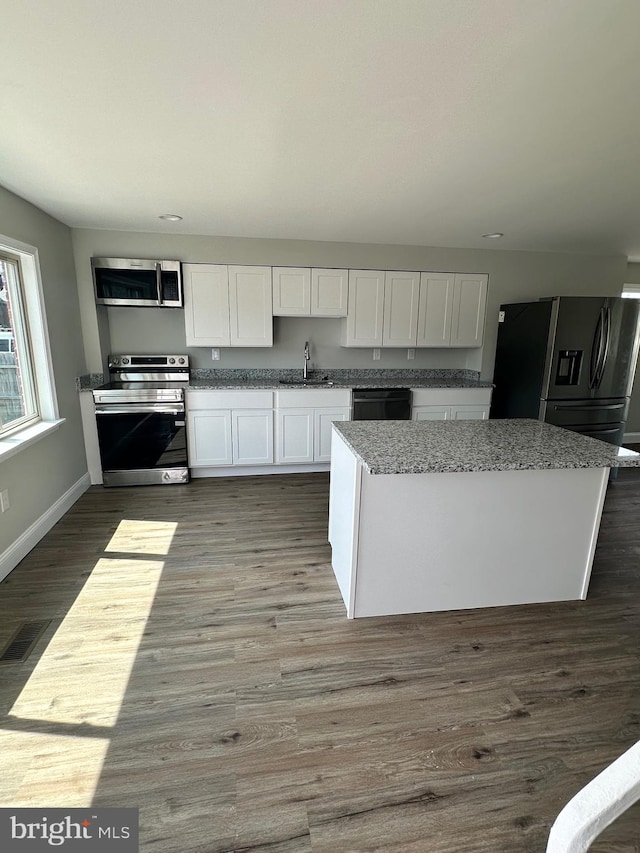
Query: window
x=27, y=394
x=631, y=291
x=17, y=396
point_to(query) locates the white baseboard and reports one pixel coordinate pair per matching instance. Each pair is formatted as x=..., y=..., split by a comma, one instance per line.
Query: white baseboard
x=33, y=534
x=631, y=438
x=253, y=470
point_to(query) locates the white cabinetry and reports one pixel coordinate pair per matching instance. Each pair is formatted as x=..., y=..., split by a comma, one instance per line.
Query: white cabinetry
x=442, y=404
x=452, y=309
x=291, y=292
x=329, y=291
x=401, y=297
x=227, y=305
x=229, y=428
x=436, y=306
x=469, y=304
x=410, y=309
x=303, y=423
x=365, y=313
x=304, y=292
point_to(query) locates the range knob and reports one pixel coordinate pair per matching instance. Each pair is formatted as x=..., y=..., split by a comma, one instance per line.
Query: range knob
x=172, y=361
x=181, y=361
x=115, y=361
x=125, y=361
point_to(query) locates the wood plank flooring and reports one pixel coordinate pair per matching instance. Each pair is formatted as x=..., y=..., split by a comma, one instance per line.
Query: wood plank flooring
x=199, y=665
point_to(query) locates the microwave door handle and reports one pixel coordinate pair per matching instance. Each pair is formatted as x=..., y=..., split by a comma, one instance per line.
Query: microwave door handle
x=159, y=282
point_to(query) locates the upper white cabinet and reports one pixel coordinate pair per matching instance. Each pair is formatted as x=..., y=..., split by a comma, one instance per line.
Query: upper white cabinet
x=305, y=292
x=469, y=304
x=329, y=292
x=435, y=310
x=417, y=309
x=363, y=326
x=206, y=305
x=401, y=299
x=250, y=307
x=452, y=309
x=227, y=305
x=291, y=292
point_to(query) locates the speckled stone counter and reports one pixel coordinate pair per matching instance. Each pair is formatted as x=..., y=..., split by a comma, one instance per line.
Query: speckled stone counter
x=419, y=447
x=447, y=515
x=279, y=379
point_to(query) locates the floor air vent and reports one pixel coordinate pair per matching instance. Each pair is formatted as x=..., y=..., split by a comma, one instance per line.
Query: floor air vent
x=23, y=641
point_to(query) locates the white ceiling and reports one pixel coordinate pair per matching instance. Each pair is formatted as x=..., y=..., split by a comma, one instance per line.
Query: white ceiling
x=426, y=122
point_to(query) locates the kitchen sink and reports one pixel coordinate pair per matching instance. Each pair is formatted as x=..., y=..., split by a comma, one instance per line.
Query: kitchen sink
x=326, y=382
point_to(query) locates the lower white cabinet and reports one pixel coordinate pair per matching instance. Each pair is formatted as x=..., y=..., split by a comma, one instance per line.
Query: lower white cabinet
x=303, y=423
x=252, y=436
x=229, y=428
x=209, y=437
x=457, y=404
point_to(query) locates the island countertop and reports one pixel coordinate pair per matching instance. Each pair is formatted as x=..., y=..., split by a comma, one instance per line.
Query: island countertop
x=422, y=447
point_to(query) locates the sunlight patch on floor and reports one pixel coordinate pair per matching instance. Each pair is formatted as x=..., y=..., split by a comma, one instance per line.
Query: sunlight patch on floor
x=47, y=770
x=83, y=674
x=142, y=537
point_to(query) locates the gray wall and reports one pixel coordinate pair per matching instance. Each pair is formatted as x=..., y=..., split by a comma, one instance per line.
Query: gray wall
x=39, y=475
x=513, y=276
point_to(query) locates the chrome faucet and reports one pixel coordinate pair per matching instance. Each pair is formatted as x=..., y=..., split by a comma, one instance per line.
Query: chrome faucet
x=305, y=369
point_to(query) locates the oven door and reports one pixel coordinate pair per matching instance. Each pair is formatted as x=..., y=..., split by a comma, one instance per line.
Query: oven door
x=142, y=444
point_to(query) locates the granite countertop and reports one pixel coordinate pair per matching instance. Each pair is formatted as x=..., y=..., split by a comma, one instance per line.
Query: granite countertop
x=356, y=382
x=422, y=447
x=241, y=379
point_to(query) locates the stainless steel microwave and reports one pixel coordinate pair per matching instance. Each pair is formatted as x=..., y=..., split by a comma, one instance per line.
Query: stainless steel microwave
x=126, y=281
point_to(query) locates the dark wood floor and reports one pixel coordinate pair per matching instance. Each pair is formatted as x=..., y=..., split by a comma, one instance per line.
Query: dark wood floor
x=199, y=665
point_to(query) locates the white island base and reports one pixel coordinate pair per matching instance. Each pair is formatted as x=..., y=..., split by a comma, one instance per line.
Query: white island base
x=409, y=543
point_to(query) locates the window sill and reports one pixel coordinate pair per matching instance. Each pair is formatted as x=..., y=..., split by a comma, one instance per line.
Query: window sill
x=25, y=437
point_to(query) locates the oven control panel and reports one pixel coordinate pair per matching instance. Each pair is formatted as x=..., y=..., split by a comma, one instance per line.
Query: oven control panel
x=149, y=362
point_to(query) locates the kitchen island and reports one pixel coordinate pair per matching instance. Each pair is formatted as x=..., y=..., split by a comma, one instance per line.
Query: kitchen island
x=429, y=515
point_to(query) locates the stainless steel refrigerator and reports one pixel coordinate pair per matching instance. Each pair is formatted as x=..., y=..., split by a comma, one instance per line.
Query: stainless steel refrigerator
x=568, y=360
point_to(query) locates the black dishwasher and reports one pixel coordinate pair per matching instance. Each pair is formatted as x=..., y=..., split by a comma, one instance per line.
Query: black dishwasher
x=381, y=404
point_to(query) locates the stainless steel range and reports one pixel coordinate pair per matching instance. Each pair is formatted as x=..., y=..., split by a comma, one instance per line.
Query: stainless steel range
x=140, y=414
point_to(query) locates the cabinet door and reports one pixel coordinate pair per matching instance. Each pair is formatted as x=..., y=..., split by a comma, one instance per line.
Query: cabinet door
x=435, y=309
x=250, y=306
x=252, y=432
x=323, y=418
x=469, y=303
x=291, y=291
x=363, y=326
x=431, y=413
x=469, y=413
x=401, y=292
x=209, y=438
x=294, y=435
x=206, y=305
x=329, y=291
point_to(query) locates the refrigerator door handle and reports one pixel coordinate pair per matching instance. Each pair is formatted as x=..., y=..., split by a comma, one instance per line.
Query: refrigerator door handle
x=606, y=408
x=606, y=326
x=596, y=351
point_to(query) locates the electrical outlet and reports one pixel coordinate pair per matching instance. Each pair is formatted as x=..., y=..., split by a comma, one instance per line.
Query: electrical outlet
x=4, y=500
x=215, y=354
x=411, y=354
x=500, y=316
x=376, y=355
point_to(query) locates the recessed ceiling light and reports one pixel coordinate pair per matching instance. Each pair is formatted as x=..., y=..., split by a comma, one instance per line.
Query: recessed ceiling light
x=170, y=217
x=494, y=236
